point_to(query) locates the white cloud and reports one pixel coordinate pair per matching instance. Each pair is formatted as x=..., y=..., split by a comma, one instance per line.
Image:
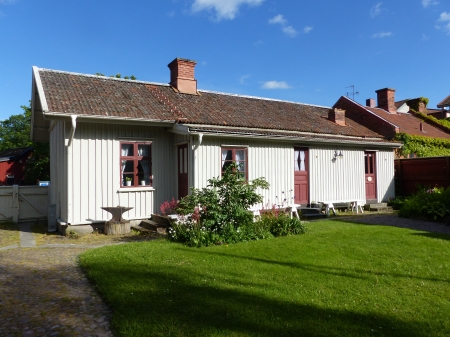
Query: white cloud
x=275, y=85
x=258, y=43
x=445, y=19
x=382, y=34
x=278, y=19
x=426, y=3
x=376, y=10
x=243, y=79
x=225, y=9
x=287, y=29
x=307, y=29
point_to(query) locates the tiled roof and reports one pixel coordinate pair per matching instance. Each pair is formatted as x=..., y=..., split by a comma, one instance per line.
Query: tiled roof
x=87, y=95
x=400, y=103
x=409, y=124
x=445, y=102
x=11, y=154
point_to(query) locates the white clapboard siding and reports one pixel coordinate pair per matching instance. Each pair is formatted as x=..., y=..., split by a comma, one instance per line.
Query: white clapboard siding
x=333, y=179
x=58, y=170
x=268, y=159
x=385, y=175
x=93, y=161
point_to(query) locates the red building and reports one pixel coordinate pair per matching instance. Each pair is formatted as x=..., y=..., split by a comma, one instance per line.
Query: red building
x=12, y=164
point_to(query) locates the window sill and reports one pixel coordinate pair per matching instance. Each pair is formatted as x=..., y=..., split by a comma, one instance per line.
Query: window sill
x=135, y=189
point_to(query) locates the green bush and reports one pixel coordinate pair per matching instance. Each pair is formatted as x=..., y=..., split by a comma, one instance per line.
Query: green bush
x=431, y=203
x=280, y=224
x=219, y=213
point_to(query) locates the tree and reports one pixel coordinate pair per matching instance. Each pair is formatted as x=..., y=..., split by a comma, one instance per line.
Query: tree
x=15, y=133
x=118, y=75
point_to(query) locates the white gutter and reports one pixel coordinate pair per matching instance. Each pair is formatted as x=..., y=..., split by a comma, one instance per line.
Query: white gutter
x=296, y=139
x=110, y=119
x=72, y=130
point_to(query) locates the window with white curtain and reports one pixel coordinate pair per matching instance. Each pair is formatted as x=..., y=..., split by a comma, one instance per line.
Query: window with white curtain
x=299, y=164
x=136, y=164
x=237, y=155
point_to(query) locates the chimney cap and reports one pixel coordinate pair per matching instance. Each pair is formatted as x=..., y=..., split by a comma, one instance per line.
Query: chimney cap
x=385, y=89
x=178, y=59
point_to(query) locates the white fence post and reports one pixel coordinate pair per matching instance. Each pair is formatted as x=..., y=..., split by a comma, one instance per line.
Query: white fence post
x=15, y=204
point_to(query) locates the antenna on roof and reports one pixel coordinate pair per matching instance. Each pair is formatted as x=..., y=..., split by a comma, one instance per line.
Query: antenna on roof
x=353, y=93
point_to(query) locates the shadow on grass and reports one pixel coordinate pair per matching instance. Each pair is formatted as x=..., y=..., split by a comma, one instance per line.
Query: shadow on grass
x=164, y=304
x=395, y=221
x=434, y=236
x=335, y=271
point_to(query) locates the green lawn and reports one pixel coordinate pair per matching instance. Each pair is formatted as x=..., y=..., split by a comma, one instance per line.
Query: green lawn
x=338, y=279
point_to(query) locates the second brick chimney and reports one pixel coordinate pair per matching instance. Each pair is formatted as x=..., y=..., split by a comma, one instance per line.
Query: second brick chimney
x=386, y=99
x=337, y=116
x=370, y=102
x=182, y=76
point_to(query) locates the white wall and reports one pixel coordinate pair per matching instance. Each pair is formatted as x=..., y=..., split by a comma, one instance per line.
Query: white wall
x=271, y=160
x=93, y=162
x=333, y=179
x=329, y=178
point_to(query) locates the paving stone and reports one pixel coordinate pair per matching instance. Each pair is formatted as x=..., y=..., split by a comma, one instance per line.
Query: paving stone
x=53, y=303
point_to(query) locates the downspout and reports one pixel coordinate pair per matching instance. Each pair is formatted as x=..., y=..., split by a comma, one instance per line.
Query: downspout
x=200, y=139
x=74, y=127
x=69, y=163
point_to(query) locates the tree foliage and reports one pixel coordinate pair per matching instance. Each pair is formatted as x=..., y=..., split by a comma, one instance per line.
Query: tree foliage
x=15, y=133
x=118, y=75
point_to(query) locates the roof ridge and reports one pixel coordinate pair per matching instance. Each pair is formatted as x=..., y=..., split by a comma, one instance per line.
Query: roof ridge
x=168, y=85
x=101, y=77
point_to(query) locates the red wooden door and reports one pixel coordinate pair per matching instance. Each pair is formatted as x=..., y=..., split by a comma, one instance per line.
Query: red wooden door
x=371, y=176
x=301, y=179
x=183, y=188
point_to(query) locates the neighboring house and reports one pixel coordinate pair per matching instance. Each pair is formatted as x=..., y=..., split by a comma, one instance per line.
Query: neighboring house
x=406, y=105
x=444, y=105
x=389, y=117
x=12, y=164
x=168, y=138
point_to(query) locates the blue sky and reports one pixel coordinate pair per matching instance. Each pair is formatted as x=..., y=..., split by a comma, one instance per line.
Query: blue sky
x=296, y=50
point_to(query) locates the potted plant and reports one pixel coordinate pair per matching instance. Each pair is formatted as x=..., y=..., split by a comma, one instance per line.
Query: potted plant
x=128, y=181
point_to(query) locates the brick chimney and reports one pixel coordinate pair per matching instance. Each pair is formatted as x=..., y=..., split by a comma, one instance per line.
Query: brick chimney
x=182, y=76
x=337, y=116
x=370, y=102
x=386, y=99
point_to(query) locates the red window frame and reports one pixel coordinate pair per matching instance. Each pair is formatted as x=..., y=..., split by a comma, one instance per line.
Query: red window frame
x=229, y=159
x=136, y=170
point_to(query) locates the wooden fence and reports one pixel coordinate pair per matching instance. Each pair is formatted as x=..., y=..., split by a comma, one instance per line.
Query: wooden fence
x=23, y=203
x=412, y=173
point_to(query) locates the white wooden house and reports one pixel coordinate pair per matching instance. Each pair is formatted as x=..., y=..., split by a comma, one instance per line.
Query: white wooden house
x=167, y=138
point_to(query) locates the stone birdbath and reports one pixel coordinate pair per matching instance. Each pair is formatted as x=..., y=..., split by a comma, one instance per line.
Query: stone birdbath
x=117, y=225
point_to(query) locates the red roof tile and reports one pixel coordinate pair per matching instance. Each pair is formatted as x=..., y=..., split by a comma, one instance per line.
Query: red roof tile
x=89, y=95
x=445, y=102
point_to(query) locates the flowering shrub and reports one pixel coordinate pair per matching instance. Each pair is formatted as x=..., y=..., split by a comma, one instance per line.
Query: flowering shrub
x=431, y=203
x=279, y=223
x=167, y=207
x=218, y=213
